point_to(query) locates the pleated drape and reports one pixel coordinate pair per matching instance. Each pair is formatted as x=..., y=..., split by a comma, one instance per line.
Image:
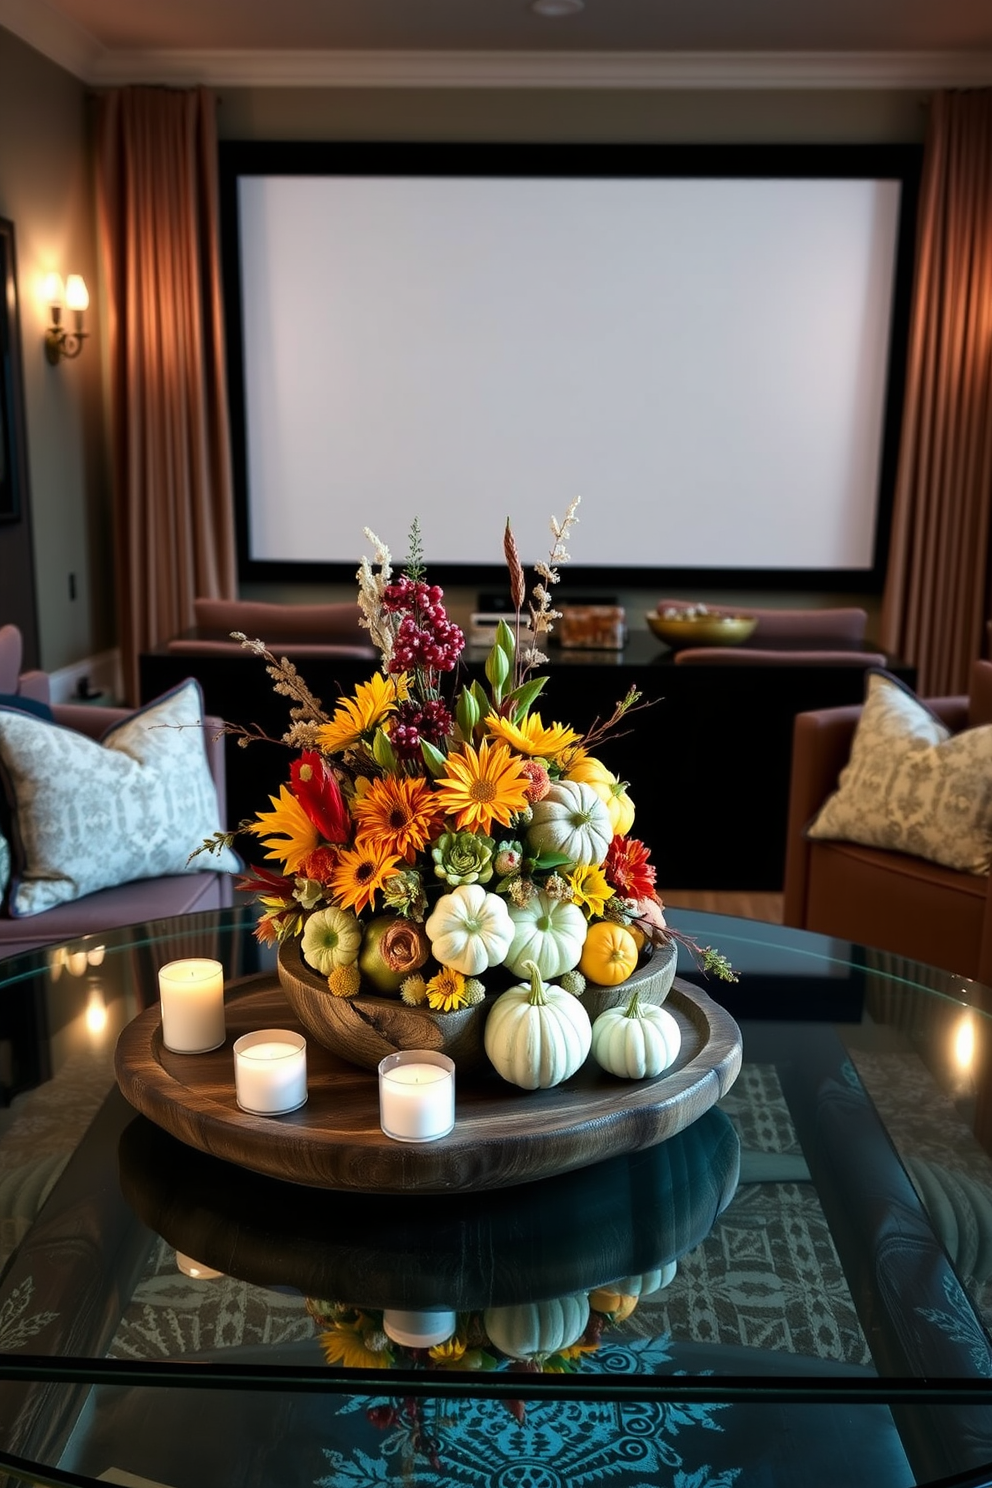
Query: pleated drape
x=157, y=200
x=937, y=594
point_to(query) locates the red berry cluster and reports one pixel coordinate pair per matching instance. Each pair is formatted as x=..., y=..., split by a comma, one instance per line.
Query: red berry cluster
x=415, y=721
x=425, y=640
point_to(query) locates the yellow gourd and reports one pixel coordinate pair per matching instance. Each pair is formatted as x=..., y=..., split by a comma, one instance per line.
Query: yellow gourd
x=609, y=954
x=611, y=791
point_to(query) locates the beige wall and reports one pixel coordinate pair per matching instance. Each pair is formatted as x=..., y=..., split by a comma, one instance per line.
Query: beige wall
x=45, y=190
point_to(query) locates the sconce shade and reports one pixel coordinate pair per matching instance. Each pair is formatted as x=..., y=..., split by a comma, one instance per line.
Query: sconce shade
x=54, y=290
x=77, y=296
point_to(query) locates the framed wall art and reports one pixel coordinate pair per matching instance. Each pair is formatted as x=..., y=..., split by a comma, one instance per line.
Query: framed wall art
x=12, y=438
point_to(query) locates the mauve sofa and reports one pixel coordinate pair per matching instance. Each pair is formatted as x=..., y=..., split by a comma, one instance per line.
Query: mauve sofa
x=126, y=904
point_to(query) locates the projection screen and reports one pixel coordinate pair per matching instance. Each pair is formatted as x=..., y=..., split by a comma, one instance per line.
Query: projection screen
x=705, y=360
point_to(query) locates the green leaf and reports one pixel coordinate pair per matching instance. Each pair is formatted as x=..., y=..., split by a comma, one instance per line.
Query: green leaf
x=382, y=751
x=433, y=759
x=523, y=697
x=550, y=860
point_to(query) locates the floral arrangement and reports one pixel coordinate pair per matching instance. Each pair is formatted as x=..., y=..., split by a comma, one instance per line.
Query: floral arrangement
x=556, y=1336
x=426, y=836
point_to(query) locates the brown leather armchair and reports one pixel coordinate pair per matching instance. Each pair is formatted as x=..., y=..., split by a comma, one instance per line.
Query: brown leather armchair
x=888, y=900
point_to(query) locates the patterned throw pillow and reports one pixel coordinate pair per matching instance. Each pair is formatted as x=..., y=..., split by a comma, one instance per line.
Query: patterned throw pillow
x=911, y=786
x=88, y=816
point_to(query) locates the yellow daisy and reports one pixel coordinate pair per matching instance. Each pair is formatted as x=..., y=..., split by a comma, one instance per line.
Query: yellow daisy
x=293, y=836
x=483, y=787
x=373, y=701
x=451, y=1352
x=400, y=812
x=531, y=737
x=346, y=1346
x=359, y=874
x=590, y=888
x=446, y=991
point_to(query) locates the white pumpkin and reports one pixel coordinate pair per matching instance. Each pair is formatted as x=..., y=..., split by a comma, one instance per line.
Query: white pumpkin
x=533, y=1330
x=549, y=932
x=469, y=929
x=537, y=1035
x=571, y=819
x=636, y=1042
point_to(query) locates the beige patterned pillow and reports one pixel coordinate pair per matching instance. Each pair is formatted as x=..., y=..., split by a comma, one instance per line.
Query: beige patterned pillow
x=911, y=786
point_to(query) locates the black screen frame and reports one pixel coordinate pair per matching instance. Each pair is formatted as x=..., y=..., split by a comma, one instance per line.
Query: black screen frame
x=888, y=162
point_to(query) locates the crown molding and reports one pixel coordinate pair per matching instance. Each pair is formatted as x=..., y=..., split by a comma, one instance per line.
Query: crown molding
x=51, y=33
x=618, y=70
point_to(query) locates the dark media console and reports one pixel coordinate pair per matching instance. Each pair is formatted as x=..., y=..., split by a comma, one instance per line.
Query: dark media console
x=708, y=756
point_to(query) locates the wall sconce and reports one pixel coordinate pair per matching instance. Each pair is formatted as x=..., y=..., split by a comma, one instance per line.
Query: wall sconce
x=60, y=340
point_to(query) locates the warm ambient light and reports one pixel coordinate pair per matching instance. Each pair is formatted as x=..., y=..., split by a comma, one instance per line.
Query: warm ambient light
x=964, y=1044
x=61, y=340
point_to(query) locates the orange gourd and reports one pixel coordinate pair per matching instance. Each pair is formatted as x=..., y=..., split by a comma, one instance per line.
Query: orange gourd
x=609, y=954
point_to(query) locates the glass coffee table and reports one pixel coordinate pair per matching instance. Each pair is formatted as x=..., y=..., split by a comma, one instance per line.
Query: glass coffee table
x=796, y=1288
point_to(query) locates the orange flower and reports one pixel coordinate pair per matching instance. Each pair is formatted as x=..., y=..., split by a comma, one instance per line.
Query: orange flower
x=398, y=812
x=483, y=786
x=359, y=874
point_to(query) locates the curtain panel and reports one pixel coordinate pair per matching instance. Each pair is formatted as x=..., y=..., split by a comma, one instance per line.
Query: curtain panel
x=937, y=594
x=158, y=213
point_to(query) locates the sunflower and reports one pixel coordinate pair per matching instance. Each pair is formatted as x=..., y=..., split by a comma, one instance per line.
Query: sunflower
x=359, y=874
x=292, y=836
x=483, y=787
x=373, y=701
x=399, y=812
x=344, y=1345
x=590, y=888
x=446, y=991
x=530, y=736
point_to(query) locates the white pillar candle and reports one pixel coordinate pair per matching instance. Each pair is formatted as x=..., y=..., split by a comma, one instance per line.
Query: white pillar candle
x=416, y=1095
x=270, y=1071
x=419, y=1330
x=192, y=997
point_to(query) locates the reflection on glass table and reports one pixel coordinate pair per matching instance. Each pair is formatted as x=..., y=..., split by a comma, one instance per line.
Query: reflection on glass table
x=795, y=1288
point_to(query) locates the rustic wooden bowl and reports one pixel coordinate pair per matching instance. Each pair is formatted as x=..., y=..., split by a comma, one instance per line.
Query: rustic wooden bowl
x=364, y=1029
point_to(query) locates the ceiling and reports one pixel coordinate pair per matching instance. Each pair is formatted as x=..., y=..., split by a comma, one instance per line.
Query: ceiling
x=502, y=42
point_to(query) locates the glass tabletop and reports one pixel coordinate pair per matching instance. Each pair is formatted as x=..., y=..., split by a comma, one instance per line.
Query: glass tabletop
x=797, y=1287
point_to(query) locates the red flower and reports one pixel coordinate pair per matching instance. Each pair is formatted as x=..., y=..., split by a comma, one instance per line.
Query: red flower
x=627, y=868
x=317, y=791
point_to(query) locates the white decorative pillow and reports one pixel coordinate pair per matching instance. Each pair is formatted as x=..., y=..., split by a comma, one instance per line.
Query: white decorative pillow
x=87, y=816
x=911, y=786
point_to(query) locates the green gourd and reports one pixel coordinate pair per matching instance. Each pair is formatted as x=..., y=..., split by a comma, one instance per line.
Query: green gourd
x=332, y=937
x=537, y=1035
x=635, y=1042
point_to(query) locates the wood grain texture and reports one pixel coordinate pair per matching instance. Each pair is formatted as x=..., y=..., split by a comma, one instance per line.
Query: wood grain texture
x=502, y=1135
x=366, y=1028
x=578, y=1230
